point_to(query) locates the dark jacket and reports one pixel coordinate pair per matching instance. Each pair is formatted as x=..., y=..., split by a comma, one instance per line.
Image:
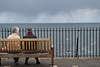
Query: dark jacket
x=30, y=36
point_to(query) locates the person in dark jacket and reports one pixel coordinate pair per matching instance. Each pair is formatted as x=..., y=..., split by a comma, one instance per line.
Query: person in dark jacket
x=28, y=35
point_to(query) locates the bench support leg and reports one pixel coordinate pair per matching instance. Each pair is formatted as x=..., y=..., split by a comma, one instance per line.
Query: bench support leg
x=0, y=61
x=52, y=57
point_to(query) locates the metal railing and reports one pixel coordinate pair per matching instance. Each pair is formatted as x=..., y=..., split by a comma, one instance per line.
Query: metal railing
x=68, y=41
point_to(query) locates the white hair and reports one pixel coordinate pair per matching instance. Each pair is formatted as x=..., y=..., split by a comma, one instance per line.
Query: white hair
x=15, y=30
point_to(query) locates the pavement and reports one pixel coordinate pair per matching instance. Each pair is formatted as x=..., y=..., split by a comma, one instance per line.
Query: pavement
x=46, y=63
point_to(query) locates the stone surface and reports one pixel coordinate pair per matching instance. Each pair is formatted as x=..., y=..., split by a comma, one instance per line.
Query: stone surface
x=46, y=63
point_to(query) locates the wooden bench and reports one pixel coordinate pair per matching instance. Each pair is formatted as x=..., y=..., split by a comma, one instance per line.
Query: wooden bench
x=34, y=48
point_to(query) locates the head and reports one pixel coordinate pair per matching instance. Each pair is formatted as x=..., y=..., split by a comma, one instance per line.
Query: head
x=15, y=30
x=29, y=31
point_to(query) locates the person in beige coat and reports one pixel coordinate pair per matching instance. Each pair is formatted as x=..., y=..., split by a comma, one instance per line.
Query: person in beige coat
x=14, y=35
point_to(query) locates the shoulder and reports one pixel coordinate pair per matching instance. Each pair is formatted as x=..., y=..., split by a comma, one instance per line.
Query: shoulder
x=13, y=36
x=9, y=36
x=29, y=36
x=18, y=37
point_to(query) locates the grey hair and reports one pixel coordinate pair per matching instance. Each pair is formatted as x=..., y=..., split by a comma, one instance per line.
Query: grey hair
x=15, y=30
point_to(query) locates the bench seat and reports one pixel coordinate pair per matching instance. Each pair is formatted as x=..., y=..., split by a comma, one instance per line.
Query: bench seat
x=33, y=55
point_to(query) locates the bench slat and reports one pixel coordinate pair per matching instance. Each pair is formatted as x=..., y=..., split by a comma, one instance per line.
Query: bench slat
x=26, y=39
x=45, y=45
x=14, y=45
x=26, y=45
x=42, y=45
x=31, y=45
x=48, y=45
x=34, y=45
x=1, y=45
x=23, y=47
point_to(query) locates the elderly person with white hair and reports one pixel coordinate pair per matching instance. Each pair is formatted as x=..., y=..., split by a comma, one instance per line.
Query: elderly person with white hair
x=14, y=35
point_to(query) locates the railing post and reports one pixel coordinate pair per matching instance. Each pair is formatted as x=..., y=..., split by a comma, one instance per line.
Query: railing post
x=2, y=32
x=76, y=55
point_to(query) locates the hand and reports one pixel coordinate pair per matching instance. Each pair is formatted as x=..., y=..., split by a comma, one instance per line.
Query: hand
x=4, y=49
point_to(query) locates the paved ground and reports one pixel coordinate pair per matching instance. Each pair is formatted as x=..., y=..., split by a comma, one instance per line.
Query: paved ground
x=58, y=63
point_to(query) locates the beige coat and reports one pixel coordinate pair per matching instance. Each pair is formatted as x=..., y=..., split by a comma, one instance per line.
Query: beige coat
x=14, y=45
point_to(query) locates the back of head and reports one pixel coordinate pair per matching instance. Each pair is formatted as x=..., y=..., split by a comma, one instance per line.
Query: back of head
x=15, y=30
x=29, y=31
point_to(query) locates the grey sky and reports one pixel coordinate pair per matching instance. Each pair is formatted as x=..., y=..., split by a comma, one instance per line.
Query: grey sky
x=33, y=8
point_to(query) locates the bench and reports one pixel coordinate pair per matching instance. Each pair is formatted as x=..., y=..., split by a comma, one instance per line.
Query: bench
x=33, y=48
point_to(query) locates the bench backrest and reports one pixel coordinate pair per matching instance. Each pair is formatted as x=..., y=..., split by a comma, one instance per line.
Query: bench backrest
x=21, y=45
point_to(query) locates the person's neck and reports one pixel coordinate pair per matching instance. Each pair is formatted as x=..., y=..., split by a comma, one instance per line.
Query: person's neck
x=15, y=33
